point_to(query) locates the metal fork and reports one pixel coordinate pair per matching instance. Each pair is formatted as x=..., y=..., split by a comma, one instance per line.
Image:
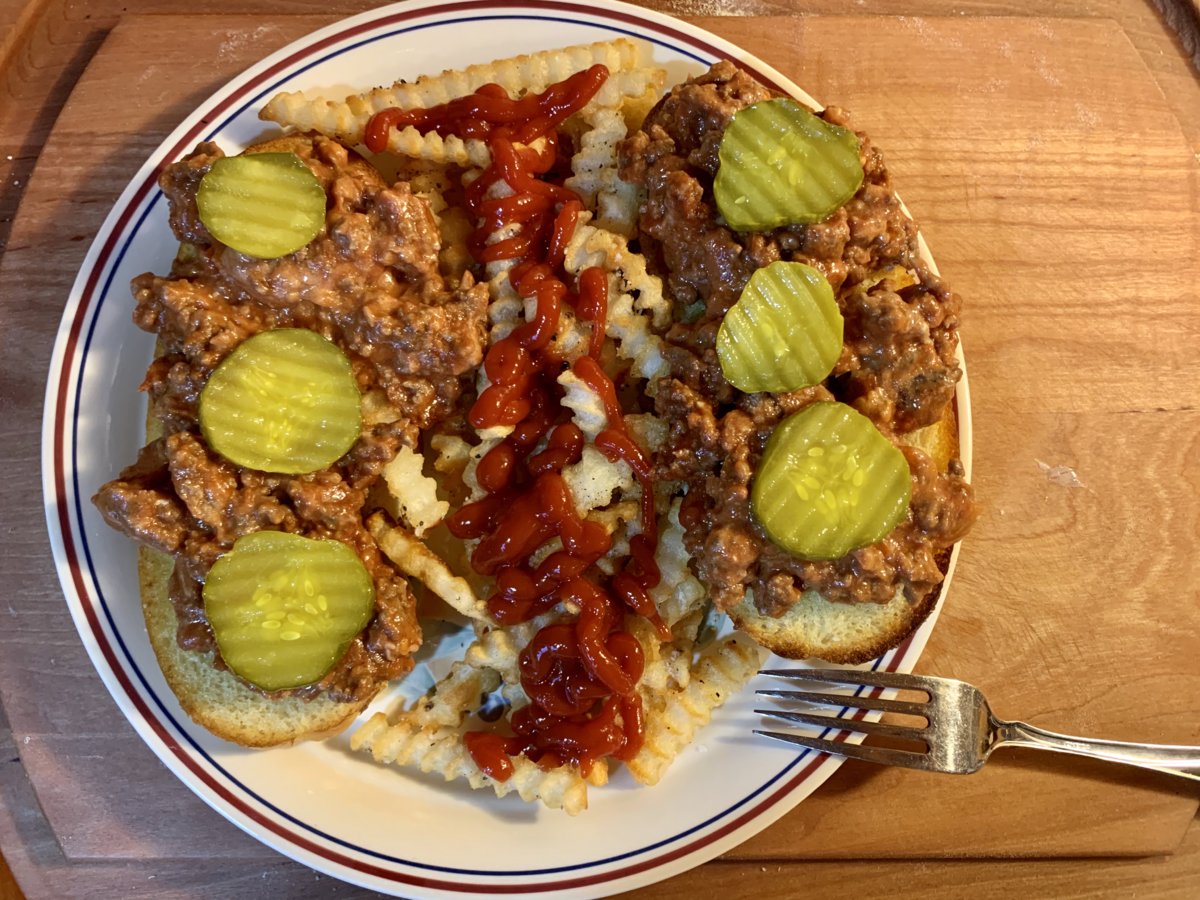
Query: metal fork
x=961, y=730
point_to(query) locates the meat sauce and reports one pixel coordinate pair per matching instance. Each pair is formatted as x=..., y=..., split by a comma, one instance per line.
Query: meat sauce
x=581, y=676
x=898, y=365
x=370, y=283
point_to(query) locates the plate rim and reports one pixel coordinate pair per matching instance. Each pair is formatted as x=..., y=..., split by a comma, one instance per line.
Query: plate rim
x=67, y=529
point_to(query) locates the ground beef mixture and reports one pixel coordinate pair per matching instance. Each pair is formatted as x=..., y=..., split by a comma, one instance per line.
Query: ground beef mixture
x=370, y=283
x=897, y=365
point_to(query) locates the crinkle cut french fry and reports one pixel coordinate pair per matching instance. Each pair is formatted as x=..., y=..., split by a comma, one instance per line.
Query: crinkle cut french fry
x=429, y=736
x=532, y=72
x=454, y=226
x=347, y=119
x=506, y=307
x=498, y=648
x=667, y=664
x=592, y=246
x=594, y=173
x=635, y=109
x=598, y=776
x=504, y=314
x=673, y=718
x=477, y=453
x=414, y=492
x=459, y=693
x=648, y=430
x=573, y=336
x=415, y=559
x=679, y=593
x=438, y=748
x=338, y=120
x=453, y=453
x=596, y=481
x=586, y=405
x=633, y=293
x=432, y=147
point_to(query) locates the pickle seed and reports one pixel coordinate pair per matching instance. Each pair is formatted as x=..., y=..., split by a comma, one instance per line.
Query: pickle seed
x=800, y=489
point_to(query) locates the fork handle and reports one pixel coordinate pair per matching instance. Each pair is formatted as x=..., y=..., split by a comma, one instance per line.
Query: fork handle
x=1170, y=758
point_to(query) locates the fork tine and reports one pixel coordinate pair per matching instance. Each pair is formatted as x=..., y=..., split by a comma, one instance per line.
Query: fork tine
x=858, y=677
x=885, y=729
x=912, y=708
x=881, y=755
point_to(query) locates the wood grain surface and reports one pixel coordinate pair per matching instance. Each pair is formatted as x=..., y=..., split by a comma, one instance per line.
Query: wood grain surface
x=1060, y=197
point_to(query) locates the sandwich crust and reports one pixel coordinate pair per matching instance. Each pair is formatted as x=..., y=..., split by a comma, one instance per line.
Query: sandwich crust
x=850, y=633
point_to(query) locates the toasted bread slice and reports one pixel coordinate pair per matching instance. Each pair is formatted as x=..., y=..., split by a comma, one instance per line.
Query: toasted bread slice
x=852, y=632
x=216, y=698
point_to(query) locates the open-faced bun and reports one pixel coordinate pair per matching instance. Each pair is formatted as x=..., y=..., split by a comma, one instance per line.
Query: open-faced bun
x=848, y=633
x=216, y=698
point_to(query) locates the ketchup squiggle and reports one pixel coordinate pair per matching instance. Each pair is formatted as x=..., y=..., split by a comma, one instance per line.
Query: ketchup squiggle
x=582, y=676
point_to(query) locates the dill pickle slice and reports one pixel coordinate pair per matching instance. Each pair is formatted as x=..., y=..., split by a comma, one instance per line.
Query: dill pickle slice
x=261, y=204
x=784, y=332
x=780, y=164
x=829, y=483
x=284, y=401
x=284, y=608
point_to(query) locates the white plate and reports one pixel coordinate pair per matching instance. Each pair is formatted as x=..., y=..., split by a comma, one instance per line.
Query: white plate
x=338, y=812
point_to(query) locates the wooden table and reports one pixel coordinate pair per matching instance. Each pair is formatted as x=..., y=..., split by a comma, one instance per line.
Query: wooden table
x=1053, y=166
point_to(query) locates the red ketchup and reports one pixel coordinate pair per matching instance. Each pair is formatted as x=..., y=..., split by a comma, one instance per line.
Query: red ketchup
x=581, y=676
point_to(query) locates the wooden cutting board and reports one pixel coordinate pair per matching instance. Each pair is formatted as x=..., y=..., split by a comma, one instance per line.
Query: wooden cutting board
x=1060, y=199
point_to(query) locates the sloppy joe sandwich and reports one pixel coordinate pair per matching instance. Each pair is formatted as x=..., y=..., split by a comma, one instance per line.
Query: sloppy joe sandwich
x=896, y=365
x=367, y=285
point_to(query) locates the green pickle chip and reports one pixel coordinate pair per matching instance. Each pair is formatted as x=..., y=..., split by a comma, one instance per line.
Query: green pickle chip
x=829, y=483
x=284, y=401
x=784, y=332
x=780, y=164
x=284, y=608
x=262, y=204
